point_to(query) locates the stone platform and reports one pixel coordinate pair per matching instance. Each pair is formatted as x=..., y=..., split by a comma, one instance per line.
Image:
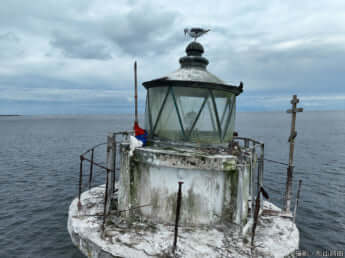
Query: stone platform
x=275, y=236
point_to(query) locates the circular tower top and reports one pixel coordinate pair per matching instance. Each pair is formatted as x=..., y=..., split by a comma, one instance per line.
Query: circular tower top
x=194, y=56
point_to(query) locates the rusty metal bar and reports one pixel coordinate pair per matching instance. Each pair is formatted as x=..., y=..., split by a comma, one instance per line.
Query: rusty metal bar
x=262, y=157
x=258, y=177
x=80, y=180
x=244, y=138
x=246, y=143
x=178, y=208
x=277, y=162
x=114, y=171
x=106, y=197
x=135, y=92
x=94, y=147
x=297, y=200
x=91, y=168
x=97, y=164
x=252, y=181
x=256, y=215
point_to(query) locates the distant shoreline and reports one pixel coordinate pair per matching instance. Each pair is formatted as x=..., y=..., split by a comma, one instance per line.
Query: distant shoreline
x=10, y=115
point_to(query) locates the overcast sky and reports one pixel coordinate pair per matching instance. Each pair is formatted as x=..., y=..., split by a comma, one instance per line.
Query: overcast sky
x=71, y=57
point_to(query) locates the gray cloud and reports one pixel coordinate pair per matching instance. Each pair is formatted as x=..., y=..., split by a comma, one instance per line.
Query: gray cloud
x=9, y=37
x=74, y=51
x=144, y=30
x=77, y=47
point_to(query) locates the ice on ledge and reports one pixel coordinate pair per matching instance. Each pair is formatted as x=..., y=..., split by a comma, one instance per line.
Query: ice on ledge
x=275, y=236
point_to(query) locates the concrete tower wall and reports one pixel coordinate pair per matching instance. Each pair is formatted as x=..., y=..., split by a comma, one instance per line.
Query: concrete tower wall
x=215, y=187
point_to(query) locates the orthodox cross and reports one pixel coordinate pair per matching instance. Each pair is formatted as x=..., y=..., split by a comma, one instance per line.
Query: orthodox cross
x=292, y=137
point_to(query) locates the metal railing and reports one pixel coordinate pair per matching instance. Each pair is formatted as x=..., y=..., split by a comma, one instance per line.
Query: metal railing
x=253, y=145
x=112, y=165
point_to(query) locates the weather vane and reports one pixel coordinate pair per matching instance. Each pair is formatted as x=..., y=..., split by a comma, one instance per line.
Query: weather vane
x=195, y=32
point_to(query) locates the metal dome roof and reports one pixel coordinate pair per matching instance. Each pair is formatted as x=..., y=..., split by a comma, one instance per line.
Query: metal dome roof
x=193, y=73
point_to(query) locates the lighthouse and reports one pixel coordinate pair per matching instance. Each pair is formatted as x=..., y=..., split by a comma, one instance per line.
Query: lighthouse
x=194, y=189
x=190, y=119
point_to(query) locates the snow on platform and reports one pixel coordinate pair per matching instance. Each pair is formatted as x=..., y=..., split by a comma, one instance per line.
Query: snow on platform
x=275, y=236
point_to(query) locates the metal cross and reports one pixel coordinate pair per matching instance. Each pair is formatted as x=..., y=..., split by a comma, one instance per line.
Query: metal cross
x=291, y=139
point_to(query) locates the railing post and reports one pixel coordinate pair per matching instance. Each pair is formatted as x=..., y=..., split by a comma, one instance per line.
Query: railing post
x=297, y=200
x=106, y=198
x=178, y=208
x=246, y=143
x=262, y=163
x=91, y=168
x=114, y=146
x=80, y=180
x=252, y=175
x=240, y=193
x=256, y=216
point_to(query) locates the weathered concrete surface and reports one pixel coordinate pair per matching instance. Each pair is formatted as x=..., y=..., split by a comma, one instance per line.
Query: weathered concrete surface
x=215, y=186
x=275, y=237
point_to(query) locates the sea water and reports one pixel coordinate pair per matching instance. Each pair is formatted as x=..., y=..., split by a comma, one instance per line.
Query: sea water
x=39, y=173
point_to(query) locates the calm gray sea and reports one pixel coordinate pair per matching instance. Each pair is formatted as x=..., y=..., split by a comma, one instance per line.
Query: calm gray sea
x=39, y=166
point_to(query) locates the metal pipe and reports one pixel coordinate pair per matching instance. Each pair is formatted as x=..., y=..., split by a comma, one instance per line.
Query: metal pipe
x=80, y=180
x=262, y=163
x=262, y=169
x=114, y=164
x=178, y=208
x=136, y=92
x=297, y=199
x=246, y=143
x=105, y=198
x=96, y=163
x=256, y=216
x=91, y=168
x=252, y=167
x=94, y=147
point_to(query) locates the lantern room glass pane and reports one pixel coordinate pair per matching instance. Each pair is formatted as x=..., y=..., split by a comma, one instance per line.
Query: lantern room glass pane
x=148, y=121
x=206, y=129
x=168, y=125
x=224, y=102
x=156, y=96
x=189, y=102
x=192, y=115
x=228, y=133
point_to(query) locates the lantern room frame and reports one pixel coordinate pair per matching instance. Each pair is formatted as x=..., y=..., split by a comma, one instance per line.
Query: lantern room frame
x=221, y=119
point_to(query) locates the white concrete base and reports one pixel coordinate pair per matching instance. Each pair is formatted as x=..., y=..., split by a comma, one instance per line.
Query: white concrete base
x=275, y=236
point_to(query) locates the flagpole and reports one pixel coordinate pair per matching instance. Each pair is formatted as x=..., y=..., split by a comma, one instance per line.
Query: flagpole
x=135, y=92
